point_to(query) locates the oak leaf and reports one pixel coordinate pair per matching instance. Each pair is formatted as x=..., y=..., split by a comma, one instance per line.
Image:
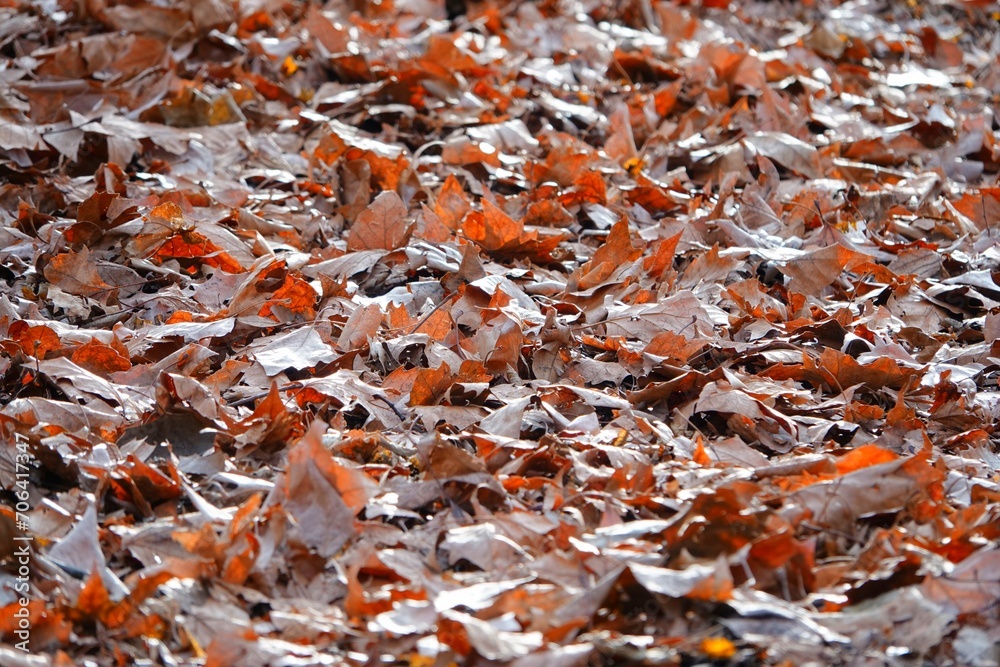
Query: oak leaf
x=37, y=340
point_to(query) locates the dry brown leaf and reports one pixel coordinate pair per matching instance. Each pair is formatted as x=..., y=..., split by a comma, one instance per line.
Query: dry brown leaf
x=616, y=252
x=75, y=272
x=812, y=272
x=381, y=226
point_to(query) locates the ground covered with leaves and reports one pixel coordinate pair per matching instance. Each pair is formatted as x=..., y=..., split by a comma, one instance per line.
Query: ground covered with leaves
x=536, y=333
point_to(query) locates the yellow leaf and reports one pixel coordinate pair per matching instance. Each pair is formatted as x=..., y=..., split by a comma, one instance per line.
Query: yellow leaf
x=718, y=648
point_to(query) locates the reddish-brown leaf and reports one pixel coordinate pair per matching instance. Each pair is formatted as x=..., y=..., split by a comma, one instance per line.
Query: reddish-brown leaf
x=381, y=226
x=192, y=245
x=616, y=252
x=502, y=236
x=100, y=358
x=75, y=272
x=37, y=340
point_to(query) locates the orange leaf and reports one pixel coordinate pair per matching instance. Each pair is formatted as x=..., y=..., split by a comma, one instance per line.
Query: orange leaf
x=620, y=145
x=271, y=423
x=708, y=267
x=75, y=272
x=673, y=347
x=239, y=564
x=429, y=385
x=700, y=456
x=94, y=596
x=616, y=252
x=452, y=204
x=99, y=358
x=880, y=373
x=437, y=325
x=500, y=235
x=548, y=213
x=588, y=186
x=34, y=340
x=400, y=381
x=296, y=295
x=662, y=256
x=180, y=316
x=192, y=245
x=862, y=457
x=168, y=213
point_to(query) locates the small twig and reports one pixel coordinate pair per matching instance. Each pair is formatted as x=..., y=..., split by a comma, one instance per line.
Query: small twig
x=380, y=397
x=246, y=400
x=433, y=310
x=986, y=219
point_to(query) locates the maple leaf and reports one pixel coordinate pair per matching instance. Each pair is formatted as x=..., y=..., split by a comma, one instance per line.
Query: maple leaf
x=451, y=204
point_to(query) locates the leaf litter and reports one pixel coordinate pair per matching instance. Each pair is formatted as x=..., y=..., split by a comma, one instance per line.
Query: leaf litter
x=434, y=333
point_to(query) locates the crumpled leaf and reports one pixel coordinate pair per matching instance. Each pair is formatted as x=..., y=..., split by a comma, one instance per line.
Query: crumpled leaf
x=500, y=235
x=75, y=272
x=320, y=495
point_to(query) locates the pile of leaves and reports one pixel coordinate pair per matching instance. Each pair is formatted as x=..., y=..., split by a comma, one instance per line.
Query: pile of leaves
x=536, y=333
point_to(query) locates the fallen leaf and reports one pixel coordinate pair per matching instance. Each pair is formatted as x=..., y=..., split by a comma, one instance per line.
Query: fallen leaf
x=813, y=271
x=381, y=226
x=300, y=348
x=37, y=340
x=500, y=235
x=75, y=273
x=320, y=495
x=617, y=252
x=701, y=582
x=100, y=358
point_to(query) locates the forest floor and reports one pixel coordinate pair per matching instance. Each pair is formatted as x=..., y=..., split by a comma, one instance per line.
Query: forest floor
x=535, y=333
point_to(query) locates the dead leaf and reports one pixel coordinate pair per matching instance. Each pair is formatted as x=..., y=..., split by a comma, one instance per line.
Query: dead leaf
x=300, y=348
x=811, y=272
x=500, y=235
x=617, y=252
x=381, y=226
x=76, y=273
x=322, y=496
